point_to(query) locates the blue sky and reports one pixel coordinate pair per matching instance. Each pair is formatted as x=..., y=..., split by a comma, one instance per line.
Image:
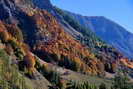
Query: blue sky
x=120, y=11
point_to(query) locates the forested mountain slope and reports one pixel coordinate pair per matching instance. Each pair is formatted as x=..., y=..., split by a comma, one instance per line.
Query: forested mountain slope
x=109, y=31
x=38, y=51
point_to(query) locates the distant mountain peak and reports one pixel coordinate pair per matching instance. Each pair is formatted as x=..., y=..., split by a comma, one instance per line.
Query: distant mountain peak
x=109, y=31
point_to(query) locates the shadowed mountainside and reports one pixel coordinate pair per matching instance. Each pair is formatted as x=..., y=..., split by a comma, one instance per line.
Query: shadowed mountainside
x=109, y=31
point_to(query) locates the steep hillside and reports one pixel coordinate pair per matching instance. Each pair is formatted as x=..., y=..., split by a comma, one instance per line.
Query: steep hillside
x=85, y=36
x=38, y=49
x=109, y=31
x=45, y=37
x=104, y=52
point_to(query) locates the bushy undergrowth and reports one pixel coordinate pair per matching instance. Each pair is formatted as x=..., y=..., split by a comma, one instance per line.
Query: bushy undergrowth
x=10, y=77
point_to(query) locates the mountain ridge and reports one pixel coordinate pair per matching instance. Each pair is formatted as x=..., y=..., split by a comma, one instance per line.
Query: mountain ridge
x=120, y=33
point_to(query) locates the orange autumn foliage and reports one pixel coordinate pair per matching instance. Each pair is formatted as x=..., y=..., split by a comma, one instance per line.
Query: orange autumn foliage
x=59, y=42
x=127, y=63
x=3, y=32
x=49, y=37
x=29, y=60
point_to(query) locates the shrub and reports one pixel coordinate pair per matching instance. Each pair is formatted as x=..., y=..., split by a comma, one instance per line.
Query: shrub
x=69, y=63
x=101, y=69
x=55, y=57
x=79, y=85
x=15, y=32
x=10, y=78
x=9, y=49
x=54, y=77
x=38, y=65
x=4, y=36
x=114, y=67
x=29, y=61
x=121, y=81
x=102, y=86
x=13, y=44
x=19, y=54
x=17, y=49
x=50, y=74
x=108, y=67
